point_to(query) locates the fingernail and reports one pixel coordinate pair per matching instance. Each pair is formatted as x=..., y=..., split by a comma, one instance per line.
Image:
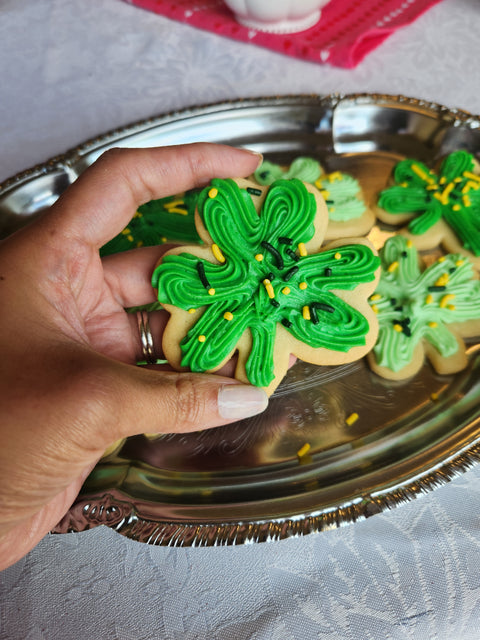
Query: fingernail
x=236, y=401
x=257, y=154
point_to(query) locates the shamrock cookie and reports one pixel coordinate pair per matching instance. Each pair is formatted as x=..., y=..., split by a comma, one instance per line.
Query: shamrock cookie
x=441, y=208
x=169, y=219
x=347, y=212
x=423, y=313
x=262, y=286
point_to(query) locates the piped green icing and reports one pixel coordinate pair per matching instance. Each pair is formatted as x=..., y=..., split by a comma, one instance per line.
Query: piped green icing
x=453, y=194
x=169, y=219
x=266, y=278
x=412, y=305
x=341, y=191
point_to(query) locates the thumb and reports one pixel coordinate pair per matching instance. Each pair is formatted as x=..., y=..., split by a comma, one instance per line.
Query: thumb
x=172, y=402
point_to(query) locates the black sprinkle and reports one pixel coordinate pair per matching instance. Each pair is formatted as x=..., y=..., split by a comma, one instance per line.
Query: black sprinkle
x=321, y=306
x=275, y=303
x=404, y=254
x=313, y=314
x=436, y=287
x=452, y=269
x=328, y=272
x=270, y=276
x=202, y=276
x=254, y=192
x=393, y=301
x=286, y=323
x=263, y=175
x=290, y=273
x=398, y=309
x=406, y=331
x=292, y=255
x=330, y=201
x=285, y=240
x=275, y=253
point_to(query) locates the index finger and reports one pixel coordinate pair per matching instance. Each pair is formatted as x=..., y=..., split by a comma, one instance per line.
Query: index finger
x=102, y=201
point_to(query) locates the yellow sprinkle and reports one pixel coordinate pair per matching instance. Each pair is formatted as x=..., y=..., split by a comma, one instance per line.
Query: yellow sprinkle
x=213, y=193
x=201, y=338
x=140, y=243
x=319, y=183
x=352, y=418
x=325, y=194
x=303, y=286
x=286, y=290
x=268, y=286
x=456, y=207
x=393, y=267
x=466, y=201
x=306, y=312
x=217, y=253
x=433, y=325
x=137, y=214
x=375, y=297
x=331, y=209
x=228, y=315
x=337, y=256
x=472, y=176
x=409, y=244
x=421, y=174
x=130, y=238
x=446, y=299
x=335, y=175
x=442, y=281
x=191, y=310
x=457, y=179
x=303, y=450
x=448, y=189
x=441, y=259
x=175, y=206
x=163, y=239
x=211, y=292
x=472, y=185
x=432, y=187
x=429, y=299
x=259, y=257
x=398, y=327
x=439, y=197
x=126, y=231
x=375, y=308
x=442, y=180
x=404, y=184
x=459, y=263
x=451, y=307
x=301, y=249
x=434, y=396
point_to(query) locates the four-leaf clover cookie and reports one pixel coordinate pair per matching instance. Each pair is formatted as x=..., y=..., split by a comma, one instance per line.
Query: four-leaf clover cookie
x=263, y=287
x=441, y=208
x=423, y=312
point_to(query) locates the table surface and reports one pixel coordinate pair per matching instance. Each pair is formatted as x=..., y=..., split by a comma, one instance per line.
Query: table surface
x=71, y=71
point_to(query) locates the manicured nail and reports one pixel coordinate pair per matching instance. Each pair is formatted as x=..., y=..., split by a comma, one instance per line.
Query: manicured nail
x=257, y=154
x=237, y=401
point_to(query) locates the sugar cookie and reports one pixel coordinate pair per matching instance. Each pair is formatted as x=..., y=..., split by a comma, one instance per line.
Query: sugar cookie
x=263, y=286
x=423, y=312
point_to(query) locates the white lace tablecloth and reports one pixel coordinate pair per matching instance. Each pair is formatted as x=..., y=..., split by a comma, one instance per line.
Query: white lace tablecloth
x=72, y=70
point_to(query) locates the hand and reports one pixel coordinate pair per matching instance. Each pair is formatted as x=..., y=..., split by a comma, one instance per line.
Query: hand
x=67, y=383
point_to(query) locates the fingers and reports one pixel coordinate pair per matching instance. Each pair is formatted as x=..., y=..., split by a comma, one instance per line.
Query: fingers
x=105, y=197
x=129, y=275
x=172, y=402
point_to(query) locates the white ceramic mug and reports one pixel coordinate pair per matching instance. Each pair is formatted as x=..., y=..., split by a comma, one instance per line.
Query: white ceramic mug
x=277, y=16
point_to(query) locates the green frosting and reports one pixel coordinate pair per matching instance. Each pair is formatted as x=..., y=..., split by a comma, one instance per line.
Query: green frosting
x=340, y=190
x=265, y=278
x=303, y=168
x=453, y=194
x=169, y=219
x=412, y=305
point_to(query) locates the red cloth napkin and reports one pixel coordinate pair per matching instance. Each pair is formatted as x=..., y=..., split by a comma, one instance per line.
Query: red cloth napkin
x=346, y=32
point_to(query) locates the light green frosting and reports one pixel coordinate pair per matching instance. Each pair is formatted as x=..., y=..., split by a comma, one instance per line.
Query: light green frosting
x=420, y=304
x=264, y=279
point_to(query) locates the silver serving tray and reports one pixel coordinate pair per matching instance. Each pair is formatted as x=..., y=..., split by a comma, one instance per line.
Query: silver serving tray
x=245, y=482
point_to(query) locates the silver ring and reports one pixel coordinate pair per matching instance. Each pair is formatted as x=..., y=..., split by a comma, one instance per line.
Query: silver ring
x=146, y=337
